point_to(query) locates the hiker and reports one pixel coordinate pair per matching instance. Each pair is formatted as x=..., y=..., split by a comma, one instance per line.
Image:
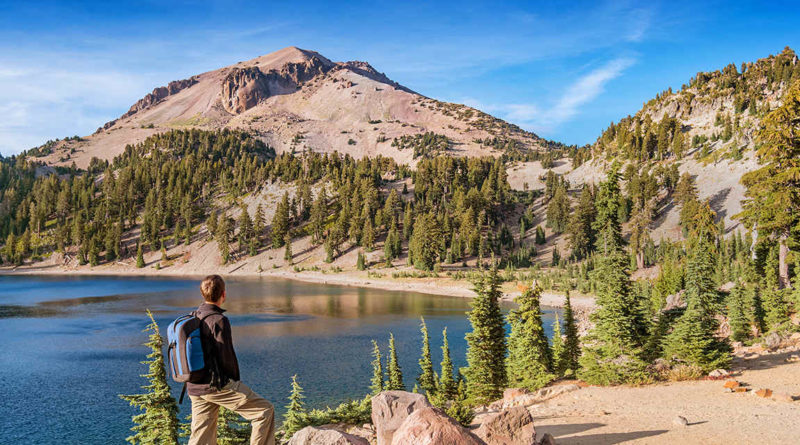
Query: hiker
x=222, y=386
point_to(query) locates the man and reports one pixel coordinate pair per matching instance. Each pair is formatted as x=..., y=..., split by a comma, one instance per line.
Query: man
x=222, y=387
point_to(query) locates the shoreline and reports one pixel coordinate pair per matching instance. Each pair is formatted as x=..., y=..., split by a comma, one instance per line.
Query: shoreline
x=443, y=286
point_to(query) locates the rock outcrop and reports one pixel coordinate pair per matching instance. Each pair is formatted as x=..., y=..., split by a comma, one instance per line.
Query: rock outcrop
x=323, y=435
x=510, y=427
x=390, y=409
x=159, y=94
x=244, y=88
x=430, y=426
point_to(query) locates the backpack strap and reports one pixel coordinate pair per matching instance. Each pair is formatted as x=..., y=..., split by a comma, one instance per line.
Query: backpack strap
x=183, y=393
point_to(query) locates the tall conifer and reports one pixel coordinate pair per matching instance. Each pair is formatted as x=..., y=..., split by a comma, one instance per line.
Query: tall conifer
x=427, y=378
x=158, y=423
x=529, y=361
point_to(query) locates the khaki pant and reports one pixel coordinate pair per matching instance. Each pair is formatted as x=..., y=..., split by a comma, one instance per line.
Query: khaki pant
x=237, y=397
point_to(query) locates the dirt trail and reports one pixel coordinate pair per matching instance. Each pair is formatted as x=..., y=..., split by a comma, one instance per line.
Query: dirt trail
x=645, y=415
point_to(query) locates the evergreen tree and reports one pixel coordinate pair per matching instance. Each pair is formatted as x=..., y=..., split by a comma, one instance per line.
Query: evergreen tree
x=424, y=246
x=259, y=225
x=486, y=344
x=139, y=256
x=280, y=222
x=377, y=384
x=296, y=416
x=529, y=363
x=427, y=378
x=776, y=309
x=232, y=429
x=693, y=340
x=611, y=354
x=287, y=254
x=447, y=384
x=395, y=382
x=558, y=210
x=158, y=423
x=581, y=232
x=319, y=214
x=558, y=349
x=737, y=314
x=361, y=262
x=773, y=191
x=572, y=345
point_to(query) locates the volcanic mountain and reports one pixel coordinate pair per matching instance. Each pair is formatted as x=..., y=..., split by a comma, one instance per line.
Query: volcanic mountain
x=297, y=100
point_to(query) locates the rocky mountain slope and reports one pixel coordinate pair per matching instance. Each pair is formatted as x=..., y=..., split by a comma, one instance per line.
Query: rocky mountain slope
x=707, y=129
x=295, y=99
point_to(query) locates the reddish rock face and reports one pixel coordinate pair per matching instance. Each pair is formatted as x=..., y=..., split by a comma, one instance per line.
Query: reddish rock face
x=390, y=409
x=511, y=427
x=430, y=426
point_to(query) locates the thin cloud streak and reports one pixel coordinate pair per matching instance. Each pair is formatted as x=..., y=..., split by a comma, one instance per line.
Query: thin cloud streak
x=581, y=92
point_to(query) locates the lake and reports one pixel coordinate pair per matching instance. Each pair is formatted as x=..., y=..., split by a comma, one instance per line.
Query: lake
x=71, y=344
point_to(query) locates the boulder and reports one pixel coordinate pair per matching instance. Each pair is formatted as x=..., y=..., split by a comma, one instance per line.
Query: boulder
x=390, y=409
x=325, y=435
x=773, y=341
x=510, y=427
x=430, y=426
x=532, y=398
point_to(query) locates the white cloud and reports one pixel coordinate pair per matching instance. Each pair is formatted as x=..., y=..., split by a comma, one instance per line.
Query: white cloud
x=53, y=102
x=568, y=104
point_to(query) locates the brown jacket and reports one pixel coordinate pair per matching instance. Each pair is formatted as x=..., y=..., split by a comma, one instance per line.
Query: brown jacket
x=217, y=347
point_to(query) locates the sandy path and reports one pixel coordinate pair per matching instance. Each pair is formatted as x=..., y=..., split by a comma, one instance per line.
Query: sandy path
x=645, y=415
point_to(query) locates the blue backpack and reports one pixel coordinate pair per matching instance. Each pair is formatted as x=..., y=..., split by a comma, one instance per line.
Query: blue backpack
x=187, y=362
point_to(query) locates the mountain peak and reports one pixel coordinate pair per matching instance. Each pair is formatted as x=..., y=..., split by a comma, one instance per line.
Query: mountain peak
x=290, y=54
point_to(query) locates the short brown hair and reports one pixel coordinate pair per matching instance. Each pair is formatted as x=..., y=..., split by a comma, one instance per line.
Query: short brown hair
x=212, y=288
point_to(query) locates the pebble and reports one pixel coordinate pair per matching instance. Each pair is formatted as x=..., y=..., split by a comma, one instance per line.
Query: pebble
x=680, y=421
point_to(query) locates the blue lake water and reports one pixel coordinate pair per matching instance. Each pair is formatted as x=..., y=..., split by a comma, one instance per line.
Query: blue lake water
x=70, y=345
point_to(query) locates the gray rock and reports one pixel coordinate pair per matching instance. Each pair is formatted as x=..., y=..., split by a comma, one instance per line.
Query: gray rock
x=389, y=411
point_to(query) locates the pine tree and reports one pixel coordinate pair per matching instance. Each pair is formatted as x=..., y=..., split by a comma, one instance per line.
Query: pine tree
x=158, y=424
x=737, y=314
x=611, y=354
x=558, y=349
x=693, y=340
x=447, y=384
x=529, y=363
x=558, y=210
x=287, y=254
x=296, y=416
x=280, y=222
x=232, y=429
x=581, y=232
x=776, y=310
x=486, y=344
x=361, y=262
x=139, y=256
x=427, y=378
x=425, y=241
x=572, y=345
x=377, y=384
x=773, y=191
x=395, y=373
x=259, y=224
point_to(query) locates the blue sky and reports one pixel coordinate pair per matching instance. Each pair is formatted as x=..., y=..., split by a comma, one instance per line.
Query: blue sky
x=563, y=70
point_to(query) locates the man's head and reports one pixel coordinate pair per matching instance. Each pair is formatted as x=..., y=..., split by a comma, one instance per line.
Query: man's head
x=213, y=289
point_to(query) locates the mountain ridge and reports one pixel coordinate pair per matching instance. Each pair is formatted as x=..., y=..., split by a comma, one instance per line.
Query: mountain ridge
x=295, y=100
